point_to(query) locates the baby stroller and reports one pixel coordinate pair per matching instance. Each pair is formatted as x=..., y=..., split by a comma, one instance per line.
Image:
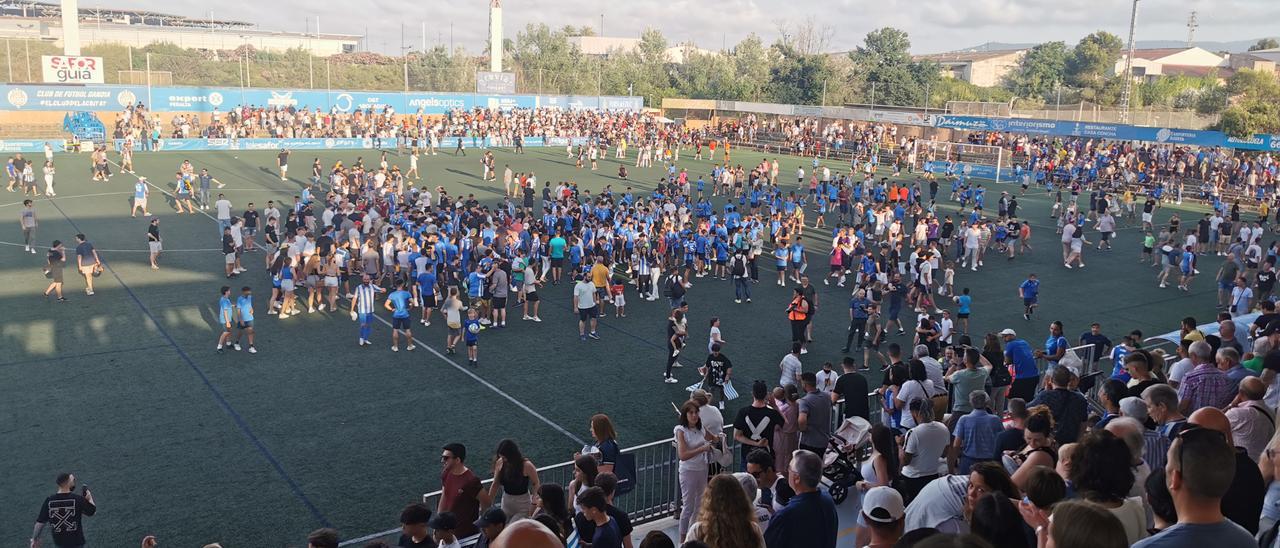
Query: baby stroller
x=849, y=445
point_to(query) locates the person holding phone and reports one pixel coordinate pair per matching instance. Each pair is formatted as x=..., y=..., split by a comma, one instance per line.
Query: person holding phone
x=66, y=511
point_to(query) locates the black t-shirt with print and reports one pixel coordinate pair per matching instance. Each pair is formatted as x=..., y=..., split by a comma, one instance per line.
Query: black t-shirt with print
x=64, y=512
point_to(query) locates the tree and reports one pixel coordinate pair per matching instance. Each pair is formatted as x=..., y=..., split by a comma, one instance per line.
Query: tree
x=891, y=77
x=1265, y=43
x=1093, y=60
x=1255, y=104
x=797, y=78
x=1040, y=71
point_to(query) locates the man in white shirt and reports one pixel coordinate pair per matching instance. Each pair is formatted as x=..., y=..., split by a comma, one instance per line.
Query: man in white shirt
x=223, y=205
x=791, y=366
x=827, y=378
x=586, y=301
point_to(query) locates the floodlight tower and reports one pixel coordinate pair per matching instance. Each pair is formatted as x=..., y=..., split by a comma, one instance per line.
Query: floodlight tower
x=495, y=35
x=71, y=27
x=1127, y=91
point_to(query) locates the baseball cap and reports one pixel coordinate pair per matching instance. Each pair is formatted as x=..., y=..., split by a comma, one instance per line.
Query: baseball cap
x=1271, y=329
x=883, y=505
x=1009, y=332
x=492, y=516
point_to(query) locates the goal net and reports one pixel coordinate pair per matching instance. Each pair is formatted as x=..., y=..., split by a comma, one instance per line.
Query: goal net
x=972, y=160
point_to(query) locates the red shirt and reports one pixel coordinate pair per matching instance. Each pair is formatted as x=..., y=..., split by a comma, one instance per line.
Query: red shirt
x=458, y=494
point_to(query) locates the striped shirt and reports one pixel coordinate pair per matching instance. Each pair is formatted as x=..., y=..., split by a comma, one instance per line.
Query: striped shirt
x=365, y=298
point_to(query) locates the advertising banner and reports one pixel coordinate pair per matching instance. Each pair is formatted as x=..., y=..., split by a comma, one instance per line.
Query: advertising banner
x=89, y=98
x=495, y=83
x=66, y=69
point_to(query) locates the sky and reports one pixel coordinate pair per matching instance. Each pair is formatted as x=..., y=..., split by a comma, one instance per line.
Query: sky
x=934, y=25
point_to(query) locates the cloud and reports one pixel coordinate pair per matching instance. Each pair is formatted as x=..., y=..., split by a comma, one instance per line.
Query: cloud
x=934, y=25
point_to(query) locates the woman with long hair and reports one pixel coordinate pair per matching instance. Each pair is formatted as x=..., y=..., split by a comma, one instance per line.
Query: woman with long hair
x=996, y=520
x=726, y=519
x=585, y=471
x=551, y=502
x=999, y=382
x=1040, y=449
x=606, y=443
x=881, y=470
x=693, y=443
x=517, y=477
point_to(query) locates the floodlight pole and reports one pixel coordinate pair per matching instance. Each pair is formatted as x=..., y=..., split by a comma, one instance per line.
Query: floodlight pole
x=1128, y=67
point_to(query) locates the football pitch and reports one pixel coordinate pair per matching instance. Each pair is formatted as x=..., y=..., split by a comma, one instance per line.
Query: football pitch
x=125, y=390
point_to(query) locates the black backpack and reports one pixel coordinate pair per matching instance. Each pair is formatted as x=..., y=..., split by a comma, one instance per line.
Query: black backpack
x=739, y=267
x=1000, y=375
x=674, y=289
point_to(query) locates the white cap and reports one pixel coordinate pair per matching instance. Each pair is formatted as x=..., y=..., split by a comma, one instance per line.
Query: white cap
x=883, y=505
x=1009, y=332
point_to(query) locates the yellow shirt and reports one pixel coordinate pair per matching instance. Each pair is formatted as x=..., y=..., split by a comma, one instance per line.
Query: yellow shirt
x=600, y=275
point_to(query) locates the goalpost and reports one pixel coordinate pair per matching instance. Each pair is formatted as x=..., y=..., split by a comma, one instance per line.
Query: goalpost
x=973, y=160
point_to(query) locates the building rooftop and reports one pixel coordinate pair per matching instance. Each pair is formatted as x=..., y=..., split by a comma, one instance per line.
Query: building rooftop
x=49, y=10
x=966, y=56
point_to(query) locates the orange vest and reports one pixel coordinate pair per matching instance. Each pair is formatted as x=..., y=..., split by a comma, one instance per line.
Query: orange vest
x=799, y=310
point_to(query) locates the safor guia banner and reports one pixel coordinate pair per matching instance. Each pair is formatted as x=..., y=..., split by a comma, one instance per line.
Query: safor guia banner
x=66, y=69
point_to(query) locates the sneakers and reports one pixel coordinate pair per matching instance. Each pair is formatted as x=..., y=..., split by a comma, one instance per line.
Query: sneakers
x=670, y=380
x=537, y=319
x=1068, y=265
x=527, y=317
x=1026, y=317
x=362, y=342
x=804, y=350
x=738, y=301
x=410, y=347
x=236, y=346
x=88, y=292
x=252, y=350
x=395, y=348
x=593, y=335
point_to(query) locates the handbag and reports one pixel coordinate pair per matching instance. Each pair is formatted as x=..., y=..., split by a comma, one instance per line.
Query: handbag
x=720, y=454
x=625, y=470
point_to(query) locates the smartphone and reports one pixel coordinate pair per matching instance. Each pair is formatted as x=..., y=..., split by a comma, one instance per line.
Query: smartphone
x=84, y=489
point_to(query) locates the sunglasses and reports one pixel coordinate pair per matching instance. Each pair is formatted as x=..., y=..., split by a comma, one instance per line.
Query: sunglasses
x=1194, y=431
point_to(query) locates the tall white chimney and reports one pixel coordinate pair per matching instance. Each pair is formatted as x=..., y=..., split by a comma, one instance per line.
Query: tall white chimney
x=495, y=35
x=70, y=27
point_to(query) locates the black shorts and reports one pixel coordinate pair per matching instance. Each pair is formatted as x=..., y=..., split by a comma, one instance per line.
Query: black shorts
x=557, y=263
x=400, y=323
x=472, y=343
x=585, y=314
x=532, y=297
x=963, y=315
x=246, y=325
x=499, y=302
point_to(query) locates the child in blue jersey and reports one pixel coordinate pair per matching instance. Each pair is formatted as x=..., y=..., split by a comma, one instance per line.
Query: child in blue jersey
x=471, y=336
x=782, y=255
x=964, y=301
x=226, y=317
x=798, y=262
x=1188, y=264
x=398, y=303
x=244, y=308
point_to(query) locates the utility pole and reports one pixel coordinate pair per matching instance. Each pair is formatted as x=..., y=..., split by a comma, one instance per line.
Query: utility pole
x=1127, y=92
x=1192, y=24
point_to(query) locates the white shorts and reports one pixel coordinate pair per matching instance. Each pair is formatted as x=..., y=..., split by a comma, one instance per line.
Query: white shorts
x=1146, y=217
x=231, y=258
x=155, y=246
x=331, y=281
x=286, y=285
x=140, y=202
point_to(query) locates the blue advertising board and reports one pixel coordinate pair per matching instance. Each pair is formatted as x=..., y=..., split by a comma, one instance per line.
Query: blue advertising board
x=1122, y=132
x=94, y=98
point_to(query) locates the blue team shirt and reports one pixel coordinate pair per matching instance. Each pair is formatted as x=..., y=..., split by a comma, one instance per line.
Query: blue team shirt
x=1024, y=361
x=471, y=335
x=244, y=304
x=224, y=310
x=400, y=300
x=1030, y=289
x=964, y=301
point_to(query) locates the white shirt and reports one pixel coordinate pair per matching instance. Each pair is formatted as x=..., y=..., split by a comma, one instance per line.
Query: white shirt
x=913, y=390
x=224, y=209
x=1180, y=369
x=791, y=368
x=713, y=338
x=827, y=380
x=585, y=292
x=926, y=443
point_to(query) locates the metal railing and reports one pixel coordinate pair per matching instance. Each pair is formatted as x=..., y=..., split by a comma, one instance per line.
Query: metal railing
x=656, y=494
